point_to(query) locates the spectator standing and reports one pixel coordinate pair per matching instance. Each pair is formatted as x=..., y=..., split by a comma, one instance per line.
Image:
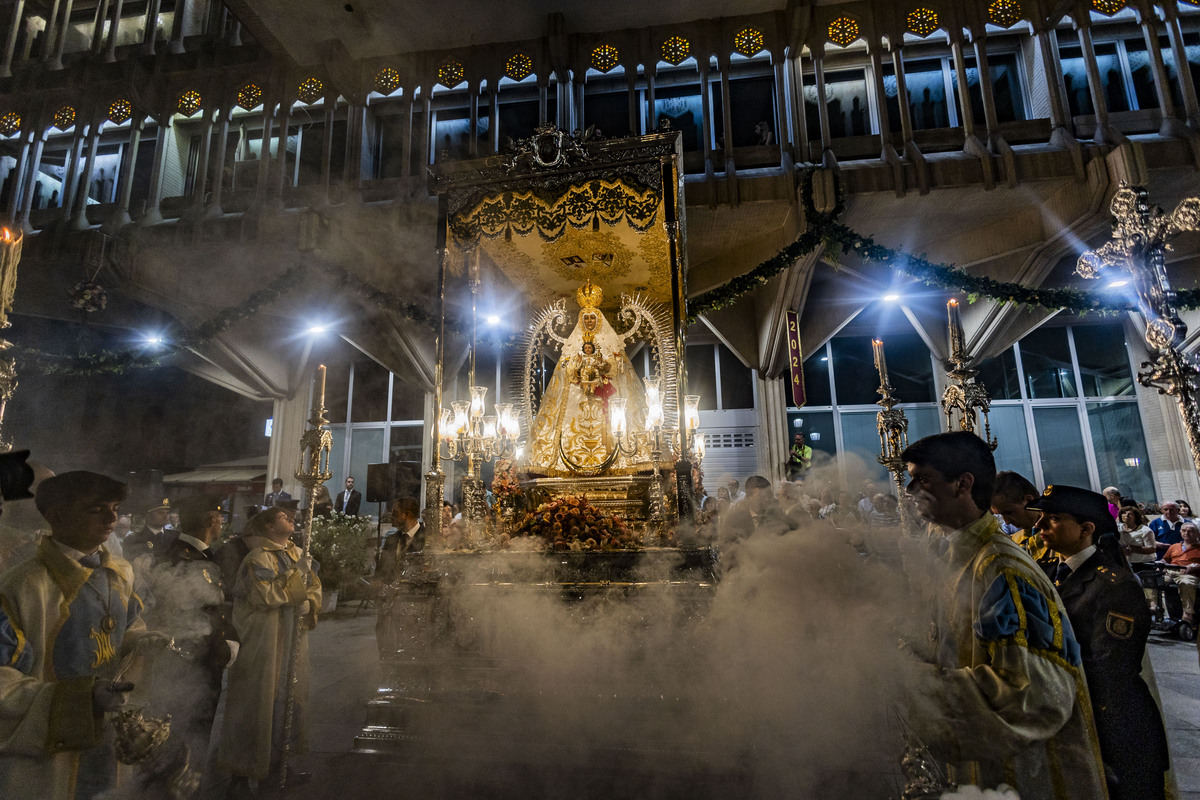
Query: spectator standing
x=275, y=584
x=759, y=513
x=1113, y=495
x=799, y=459
x=1185, y=509
x=348, y=501
x=1004, y=694
x=67, y=616
x=1167, y=528
x=1111, y=620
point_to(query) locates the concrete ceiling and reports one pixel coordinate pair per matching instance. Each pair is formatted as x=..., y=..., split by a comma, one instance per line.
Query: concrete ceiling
x=372, y=28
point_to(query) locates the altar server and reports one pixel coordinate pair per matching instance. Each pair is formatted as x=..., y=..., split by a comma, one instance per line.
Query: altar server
x=1001, y=697
x=67, y=616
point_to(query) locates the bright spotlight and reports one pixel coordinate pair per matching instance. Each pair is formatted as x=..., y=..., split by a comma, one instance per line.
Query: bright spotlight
x=492, y=319
x=154, y=339
x=891, y=298
x=1117, y=284
x=315, y=329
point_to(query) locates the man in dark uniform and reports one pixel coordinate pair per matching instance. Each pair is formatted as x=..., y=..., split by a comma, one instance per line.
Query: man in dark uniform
x=1111, y=619
x=278, y=496
x=153, y=539
x=408, y=537
x=194, y=609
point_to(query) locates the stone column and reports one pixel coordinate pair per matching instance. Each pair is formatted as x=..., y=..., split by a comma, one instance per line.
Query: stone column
x=426, y=131
x=10, y=42
x=202, y=165
x=264, y=153
x=1103, y=134
x=79, y=220
x=991, y=118
x=120, y=217
x=635, y=117
x=150, y=31
x=771, y=440
x=98, y=26
x=1161, y=86
x=785, y=156
x=727, y=116
x=407, y=115
x=1052, y=69
x=213, y=209
x=177, y=27
x=290, y=420
x=51, y=32
x=62, y=35
x=283, y=179
x=580, y=89
x=881, y=111
x=706, y=132
x=473, y=120
x=543, y=99
x=652, y=116
x=964, y=90
x=114, y=29
x=157, y=168
x=818, y=55
x=802, y=110
x=494, y=116
x=30, y=181
x=12, y=207
x=71, y=172
x=1187, y=86
x=906, y=129
x=327, y=148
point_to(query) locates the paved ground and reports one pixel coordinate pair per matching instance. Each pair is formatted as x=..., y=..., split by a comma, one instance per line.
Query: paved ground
x=346, y=676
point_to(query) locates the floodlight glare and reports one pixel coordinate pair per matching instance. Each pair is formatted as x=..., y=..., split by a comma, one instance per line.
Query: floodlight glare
x=891, y=298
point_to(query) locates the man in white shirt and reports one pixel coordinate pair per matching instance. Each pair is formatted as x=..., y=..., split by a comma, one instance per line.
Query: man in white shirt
x=347, y=502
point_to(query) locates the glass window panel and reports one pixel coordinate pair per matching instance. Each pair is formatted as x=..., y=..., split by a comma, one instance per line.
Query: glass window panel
x=485, y=373
x=337, y=388
x=406, y=443
x=1060, y=445
x=408, y=400
x=452, y=133
x=845, y=101
x=737, y=381
x=753, y=101
x=816, y=379
x=1006, y=88
x=922, y=421
x=683, y=107
x=860, y=440
x=1141, y=74
x=366, y=447
x=370, y=392
x=1046, y=357
x=817, y=427
x=1076, y=80
x=1121, y=456
x=1012, y=452
x=1103, y=361
x=926, y=94
x=702, y=375
x=999, y=376
x=517, y=120
x=1191, y=52
x=609, y=112
x=909, y=369
x=390, y=130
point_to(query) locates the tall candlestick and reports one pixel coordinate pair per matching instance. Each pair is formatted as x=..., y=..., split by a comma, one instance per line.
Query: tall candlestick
x=880, y=361
x=956, y=331
x=321, y=386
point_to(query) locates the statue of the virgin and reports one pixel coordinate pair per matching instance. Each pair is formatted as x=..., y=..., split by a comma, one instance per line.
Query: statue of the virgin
x=571, y=430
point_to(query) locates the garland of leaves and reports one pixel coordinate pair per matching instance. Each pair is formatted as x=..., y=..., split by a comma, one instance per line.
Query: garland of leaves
x=827, y=232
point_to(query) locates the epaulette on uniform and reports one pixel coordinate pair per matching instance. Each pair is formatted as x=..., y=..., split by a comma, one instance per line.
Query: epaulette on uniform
x=1110, y=574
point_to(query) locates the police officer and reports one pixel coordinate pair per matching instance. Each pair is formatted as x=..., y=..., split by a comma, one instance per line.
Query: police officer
x=1108, y=612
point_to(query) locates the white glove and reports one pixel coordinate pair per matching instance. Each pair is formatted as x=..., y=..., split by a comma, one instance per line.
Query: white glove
x=233, y=651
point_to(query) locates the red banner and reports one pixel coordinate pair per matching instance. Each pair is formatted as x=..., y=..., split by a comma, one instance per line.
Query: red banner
x=795, y=360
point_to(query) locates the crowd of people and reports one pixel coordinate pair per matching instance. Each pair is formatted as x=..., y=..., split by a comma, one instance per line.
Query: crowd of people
x=1035, y=646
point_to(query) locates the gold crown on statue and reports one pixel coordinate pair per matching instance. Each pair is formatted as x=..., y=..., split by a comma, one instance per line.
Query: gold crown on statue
x=589, y=295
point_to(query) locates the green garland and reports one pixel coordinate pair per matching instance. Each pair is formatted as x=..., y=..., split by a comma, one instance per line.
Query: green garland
x=826, y=232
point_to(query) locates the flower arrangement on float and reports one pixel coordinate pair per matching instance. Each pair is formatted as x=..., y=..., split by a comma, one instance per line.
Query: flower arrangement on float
x=572, y=523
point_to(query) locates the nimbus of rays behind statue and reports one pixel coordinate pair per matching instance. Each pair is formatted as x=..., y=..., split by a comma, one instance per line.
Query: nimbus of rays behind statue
x=547, y=328
x=643, y=319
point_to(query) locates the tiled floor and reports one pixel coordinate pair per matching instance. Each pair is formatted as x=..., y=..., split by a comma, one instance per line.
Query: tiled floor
x=346, y=674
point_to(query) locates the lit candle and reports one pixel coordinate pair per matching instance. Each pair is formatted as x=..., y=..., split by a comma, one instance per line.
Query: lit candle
x=880, y=361
x=616, y=414
x=321, y=386
x=956, y=331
